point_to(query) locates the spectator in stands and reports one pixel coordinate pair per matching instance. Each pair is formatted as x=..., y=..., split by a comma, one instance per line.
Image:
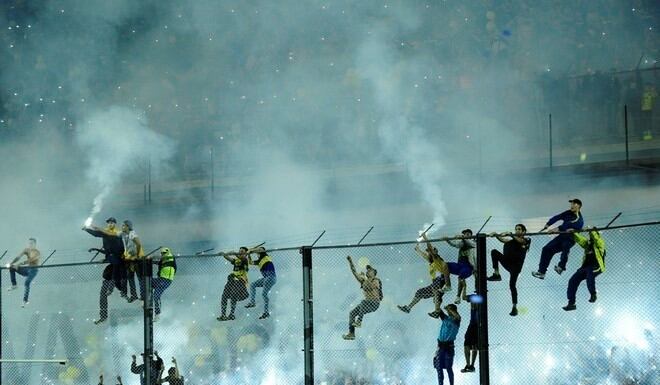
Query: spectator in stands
x=648, y=102
x=512, y=260
x=267, y=281
x=157, y=368
x=372, y=288
x=27, y=268
x=173, y=375
x=236, y=287
x=571, y=219
x=444, y=355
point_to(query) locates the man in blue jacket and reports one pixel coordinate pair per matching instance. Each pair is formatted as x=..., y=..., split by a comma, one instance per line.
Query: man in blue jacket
x=571, y=219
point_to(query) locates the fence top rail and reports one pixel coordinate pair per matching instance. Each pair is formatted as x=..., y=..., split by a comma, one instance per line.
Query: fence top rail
x=364, y=245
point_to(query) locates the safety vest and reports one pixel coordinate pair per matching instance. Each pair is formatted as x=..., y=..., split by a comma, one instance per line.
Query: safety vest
x=167, y=267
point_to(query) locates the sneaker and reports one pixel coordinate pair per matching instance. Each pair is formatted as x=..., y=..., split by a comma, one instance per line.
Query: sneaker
x=99, y=321
x=559, y=269
x=222, y=318
x=514, y=311
x=357, y=324
x=471, y=368
x=434, y=314
x=569, y=307
x=231, y=317
x=265, y=315
x=349, y=336
x=251, y=304
x=25, y=303
x=494, y=277
x=592, y=299
x=404, y=308
x=466, y=369
x=538, y=275
x=12, y=287
x=446, y=288
x=457, y=300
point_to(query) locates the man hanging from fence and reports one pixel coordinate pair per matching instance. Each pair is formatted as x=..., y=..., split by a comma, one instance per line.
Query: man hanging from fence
x=438, y=285
x=593, y=263
x=444, y=355
x=470, y=340
x=512, y=259
x=267, y=281
x=164, y=278
x=113, y=249
x=236, y=287
x=562, y=243
x=464, y=266
x=27, y=268
x=133, y=252
x=107, y=286
x=373, y=294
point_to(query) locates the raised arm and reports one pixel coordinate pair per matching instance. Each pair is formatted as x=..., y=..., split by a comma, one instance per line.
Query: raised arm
x=352, y=266
x=176, y=368
x=422, y=253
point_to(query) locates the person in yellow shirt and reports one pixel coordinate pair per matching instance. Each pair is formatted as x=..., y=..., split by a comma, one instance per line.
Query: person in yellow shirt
x=166, y=272
x=438, y=285
x=236, y=287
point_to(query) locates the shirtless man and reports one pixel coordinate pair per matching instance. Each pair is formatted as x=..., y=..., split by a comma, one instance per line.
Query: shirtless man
x=373, y=294
x=27, y=268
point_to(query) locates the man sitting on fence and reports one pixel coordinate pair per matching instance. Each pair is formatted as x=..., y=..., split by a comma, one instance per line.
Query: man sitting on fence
x=593, y=263
x=27, y=268
x=373, y=294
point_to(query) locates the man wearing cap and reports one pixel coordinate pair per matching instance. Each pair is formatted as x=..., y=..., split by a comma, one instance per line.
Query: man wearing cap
x=444, y=355
x=132, y=254
x=113, y=249
x=267, y=281
x=166, y=272
x=593, y=263
x=571, y=219
x=373, y=294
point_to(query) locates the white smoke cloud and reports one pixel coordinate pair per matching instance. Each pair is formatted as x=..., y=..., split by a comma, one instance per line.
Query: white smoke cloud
x=116, y=141
x=402, y=141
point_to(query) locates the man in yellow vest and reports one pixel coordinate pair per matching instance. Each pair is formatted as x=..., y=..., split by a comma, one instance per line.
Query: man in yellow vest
x=166, y=272
x=593, y=263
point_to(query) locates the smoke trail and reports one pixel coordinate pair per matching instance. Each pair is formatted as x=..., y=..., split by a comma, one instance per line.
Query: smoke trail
x=115, y=141
x=401, y=140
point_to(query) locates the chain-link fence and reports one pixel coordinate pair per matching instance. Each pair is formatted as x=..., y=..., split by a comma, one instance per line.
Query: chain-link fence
x=611, y=341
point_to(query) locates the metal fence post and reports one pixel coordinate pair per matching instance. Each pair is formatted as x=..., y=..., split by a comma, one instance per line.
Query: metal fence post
x=482, y=311
x=147, y=269
x=308, y=314
x=1, y=338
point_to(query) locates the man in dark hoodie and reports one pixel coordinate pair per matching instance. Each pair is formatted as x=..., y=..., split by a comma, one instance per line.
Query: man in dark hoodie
x=113, y=249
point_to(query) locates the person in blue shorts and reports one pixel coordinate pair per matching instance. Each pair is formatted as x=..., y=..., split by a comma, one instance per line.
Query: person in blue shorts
x=464, y=266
